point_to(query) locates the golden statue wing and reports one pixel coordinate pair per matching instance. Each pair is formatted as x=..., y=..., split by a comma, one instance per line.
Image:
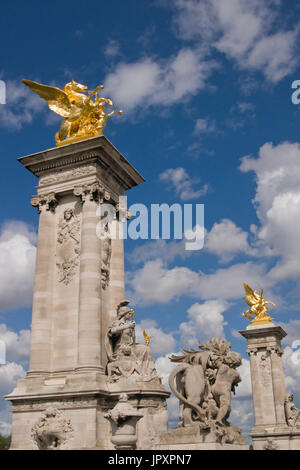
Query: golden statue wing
x=147, y=338
x=249, y=297
x=57, y=99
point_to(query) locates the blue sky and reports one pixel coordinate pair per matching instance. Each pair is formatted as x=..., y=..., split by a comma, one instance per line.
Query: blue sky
x=206, y=91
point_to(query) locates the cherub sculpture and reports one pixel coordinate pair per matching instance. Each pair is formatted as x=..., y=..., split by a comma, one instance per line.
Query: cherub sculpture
x=84, y=114
x=258, y=311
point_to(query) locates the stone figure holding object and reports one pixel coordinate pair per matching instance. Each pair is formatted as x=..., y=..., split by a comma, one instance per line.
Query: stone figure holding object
x=291, y=412
x=126, y=357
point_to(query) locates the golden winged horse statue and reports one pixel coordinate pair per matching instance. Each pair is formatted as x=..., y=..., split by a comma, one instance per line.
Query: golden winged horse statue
x=83, y=112
x=258, y=311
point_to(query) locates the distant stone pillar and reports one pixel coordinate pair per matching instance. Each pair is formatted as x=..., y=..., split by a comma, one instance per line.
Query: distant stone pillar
x=42, y=310
x=268, y=388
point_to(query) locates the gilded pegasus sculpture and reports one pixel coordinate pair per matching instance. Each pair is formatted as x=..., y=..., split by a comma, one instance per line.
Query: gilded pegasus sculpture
x=258, y=311
x=83, y=111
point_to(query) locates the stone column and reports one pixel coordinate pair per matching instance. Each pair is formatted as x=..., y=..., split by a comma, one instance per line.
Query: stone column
x=40, y=349
x=257, y=404
x=268, y=388
x=113, y=290
x=278, y=384
x=89, y=324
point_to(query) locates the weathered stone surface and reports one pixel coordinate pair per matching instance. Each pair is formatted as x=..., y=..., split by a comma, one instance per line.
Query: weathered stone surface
x=79, y=282
x=204, y=382
x=124, y=418
x=271, y=429
x=191, y=438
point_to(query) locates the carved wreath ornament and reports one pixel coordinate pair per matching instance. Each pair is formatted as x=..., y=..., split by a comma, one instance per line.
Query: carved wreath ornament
x=53, y=431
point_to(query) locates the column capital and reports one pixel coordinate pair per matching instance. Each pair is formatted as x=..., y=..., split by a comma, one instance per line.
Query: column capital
x=45, y=201
x=252, y=351
x=275, y=350
x=93, y=192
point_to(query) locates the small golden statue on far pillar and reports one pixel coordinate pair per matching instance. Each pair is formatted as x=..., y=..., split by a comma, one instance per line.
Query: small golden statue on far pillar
x=258, y=306
x=83, y=111
x=147, y=338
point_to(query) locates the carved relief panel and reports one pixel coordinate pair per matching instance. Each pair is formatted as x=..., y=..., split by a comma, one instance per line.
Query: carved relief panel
x=68, y=245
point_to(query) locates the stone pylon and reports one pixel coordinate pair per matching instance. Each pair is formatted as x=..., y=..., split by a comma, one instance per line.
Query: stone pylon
x=271, y=430
x=79, y=281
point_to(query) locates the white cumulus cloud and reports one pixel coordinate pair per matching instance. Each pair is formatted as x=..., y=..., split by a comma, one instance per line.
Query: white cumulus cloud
x=149, y=82
x=160, y=342
x=183, y=183
x=16, y=344
x=204, y=321
x=17, y=262
x=226, y=240
x=277, y=201
x=248, y=33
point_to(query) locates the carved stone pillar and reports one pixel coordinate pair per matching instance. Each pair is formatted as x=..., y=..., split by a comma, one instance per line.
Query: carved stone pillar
x=79, y=283
x=42, y=310
x=268, y=388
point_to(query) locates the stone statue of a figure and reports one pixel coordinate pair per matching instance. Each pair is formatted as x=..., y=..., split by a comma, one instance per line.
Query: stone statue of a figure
x=125, y=356
x=204, y=381
x=292, y=413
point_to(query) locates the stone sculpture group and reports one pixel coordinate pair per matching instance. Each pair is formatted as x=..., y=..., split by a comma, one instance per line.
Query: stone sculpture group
x=205, y=380
x=126, y=358
x=84, y=354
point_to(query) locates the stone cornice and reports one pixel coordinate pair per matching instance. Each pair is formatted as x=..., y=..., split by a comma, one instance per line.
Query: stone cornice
x=96, y=150
x=267, y=332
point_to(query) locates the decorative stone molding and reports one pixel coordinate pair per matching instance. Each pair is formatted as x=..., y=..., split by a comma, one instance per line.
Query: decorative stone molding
x=65, y=162
x=64, y=403
x=47, y=201
x=65, y=175
x=94, y=192
x=53, y=431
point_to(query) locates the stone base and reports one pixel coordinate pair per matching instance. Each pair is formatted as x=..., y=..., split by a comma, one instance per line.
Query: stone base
x=84, y=398
x=276, y=439
x=201, y=446
x=190, y=438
